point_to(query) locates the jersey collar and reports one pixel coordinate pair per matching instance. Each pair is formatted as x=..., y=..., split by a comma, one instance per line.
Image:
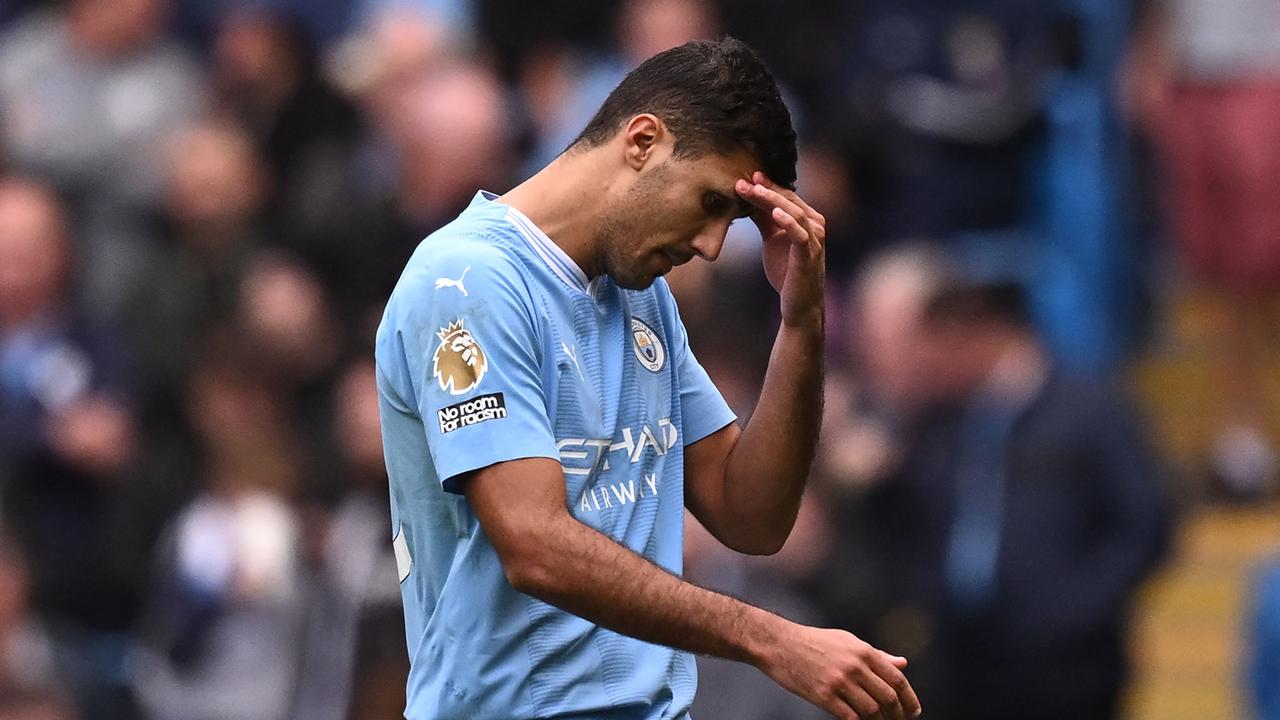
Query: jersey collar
x=552, y=254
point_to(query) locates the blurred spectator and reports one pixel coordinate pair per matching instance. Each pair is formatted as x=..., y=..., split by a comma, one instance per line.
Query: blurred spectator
x=355, y=652
x=394, y=46
x=1026, y=511
x=221, y=636
x=943, y=103
x=267, y=75
x=88, y=96
x=210, y=225
x=1205, y=85
x=874, y=395
x=283, y=323
x=448, y=129
x=563, y=88
x=67, y=444
x=283, y=312
x=1263, y=630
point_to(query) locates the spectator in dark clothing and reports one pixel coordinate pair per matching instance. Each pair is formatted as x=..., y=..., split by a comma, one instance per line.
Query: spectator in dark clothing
x=267, y=76
x=354, y=635
x=67, y=444
x=1025, y=513
x=211, y=228
x=943, y=102
x=448, y=129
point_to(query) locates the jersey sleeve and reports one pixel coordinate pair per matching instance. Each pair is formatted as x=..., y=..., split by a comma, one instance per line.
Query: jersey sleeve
x=703, y=409
x=472, y=343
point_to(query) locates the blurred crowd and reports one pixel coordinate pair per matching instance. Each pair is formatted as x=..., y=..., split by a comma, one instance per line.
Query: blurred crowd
x=204, y=204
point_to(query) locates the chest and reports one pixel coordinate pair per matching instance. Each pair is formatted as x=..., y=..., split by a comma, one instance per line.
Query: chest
x=612, y=390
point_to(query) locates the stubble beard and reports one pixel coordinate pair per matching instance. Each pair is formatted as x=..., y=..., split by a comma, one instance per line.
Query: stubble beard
x=618, y=238
x=615, y=243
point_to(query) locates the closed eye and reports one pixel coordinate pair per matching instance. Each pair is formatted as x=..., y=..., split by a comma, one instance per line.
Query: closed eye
x=715, y=204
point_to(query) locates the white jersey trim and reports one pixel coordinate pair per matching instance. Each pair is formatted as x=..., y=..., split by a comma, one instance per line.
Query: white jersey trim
x=555, y=258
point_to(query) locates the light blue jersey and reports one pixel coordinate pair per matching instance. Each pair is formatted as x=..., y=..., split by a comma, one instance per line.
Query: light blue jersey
x=495, y=347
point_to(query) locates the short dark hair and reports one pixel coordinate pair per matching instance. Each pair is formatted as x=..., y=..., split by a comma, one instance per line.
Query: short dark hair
x=713, y=96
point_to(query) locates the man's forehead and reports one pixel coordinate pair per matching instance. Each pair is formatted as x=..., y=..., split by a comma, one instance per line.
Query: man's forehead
x=739, y=163
x=726, y=170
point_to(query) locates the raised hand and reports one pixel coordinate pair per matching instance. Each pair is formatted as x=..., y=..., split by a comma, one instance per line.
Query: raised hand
x=794, y=246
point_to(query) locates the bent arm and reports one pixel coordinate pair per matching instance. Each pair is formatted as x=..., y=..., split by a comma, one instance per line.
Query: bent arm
x=745, y=486
x=547, y=553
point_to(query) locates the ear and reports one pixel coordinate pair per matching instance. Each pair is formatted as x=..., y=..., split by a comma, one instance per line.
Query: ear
x=643, y=140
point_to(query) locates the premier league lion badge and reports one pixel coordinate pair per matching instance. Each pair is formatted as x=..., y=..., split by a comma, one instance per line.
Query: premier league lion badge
x=647, y=346
x=459, y=363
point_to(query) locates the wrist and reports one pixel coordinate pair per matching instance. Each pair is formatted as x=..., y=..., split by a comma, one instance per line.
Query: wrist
x=762, y=637
x=809, y=325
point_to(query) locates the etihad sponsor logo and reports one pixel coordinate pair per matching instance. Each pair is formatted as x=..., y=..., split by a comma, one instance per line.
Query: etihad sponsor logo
x=469, y=412
x=459, y=364
x=603, y=497
x=648, y=348
x=584, y=456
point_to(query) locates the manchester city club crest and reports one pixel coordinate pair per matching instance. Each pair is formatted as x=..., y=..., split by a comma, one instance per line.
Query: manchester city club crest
x=647, y=346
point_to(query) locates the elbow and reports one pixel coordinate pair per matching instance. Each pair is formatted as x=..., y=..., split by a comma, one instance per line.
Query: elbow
x=758, y=535
x=762, y=548
x=528, y=570
x=761, y=543
x=528, y=578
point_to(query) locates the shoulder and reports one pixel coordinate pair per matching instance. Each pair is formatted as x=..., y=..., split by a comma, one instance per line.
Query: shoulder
x=464, y=269
x=465, y=256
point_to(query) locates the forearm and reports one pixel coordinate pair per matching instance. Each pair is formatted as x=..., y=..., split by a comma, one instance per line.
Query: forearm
x=547, y=553
x=766, y=471
x=586, y=573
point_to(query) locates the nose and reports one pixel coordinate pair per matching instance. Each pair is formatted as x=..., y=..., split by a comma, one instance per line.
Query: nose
x=710, y=241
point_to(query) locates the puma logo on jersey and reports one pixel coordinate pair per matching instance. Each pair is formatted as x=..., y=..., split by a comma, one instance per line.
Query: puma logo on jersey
x=459, y=364
x=450, y=282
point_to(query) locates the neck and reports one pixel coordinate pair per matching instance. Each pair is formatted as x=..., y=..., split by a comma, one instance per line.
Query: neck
x=565, y=200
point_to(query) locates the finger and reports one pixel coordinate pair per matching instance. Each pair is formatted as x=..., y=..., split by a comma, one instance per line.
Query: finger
x=862, y=702
x=760, y=178
x=835, y=704
x=813, y=223
x=891, y=706
x=885, y=695
x=791, y=226
x=767, y=198
x=887, y=668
